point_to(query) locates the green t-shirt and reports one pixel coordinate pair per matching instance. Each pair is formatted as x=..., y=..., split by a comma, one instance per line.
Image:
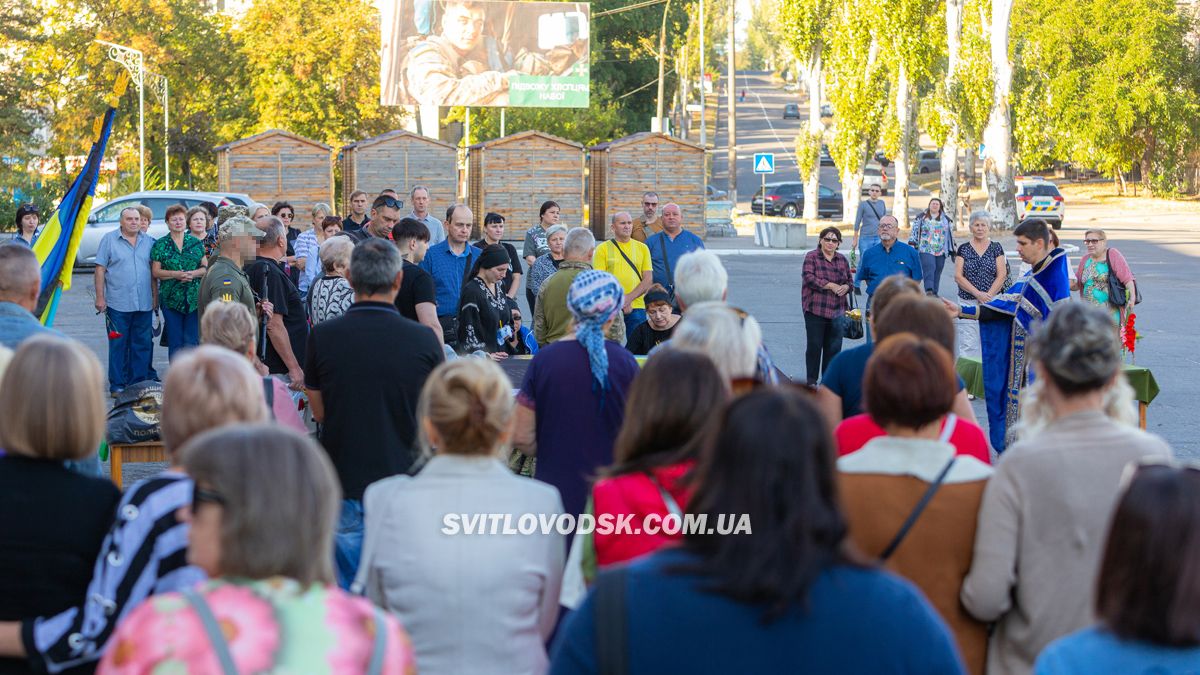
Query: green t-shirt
x=225, y=282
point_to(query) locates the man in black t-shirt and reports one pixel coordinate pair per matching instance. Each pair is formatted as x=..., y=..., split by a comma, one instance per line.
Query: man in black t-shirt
x=366, y=398
x=417, y=299
x=287, y=329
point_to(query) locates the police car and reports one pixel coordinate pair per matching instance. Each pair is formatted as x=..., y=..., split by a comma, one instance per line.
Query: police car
x=1039, y=198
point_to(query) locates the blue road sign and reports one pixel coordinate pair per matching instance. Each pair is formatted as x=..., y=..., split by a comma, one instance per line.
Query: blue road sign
x=764, y=162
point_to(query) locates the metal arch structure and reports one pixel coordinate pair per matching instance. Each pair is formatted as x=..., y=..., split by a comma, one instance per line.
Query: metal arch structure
x=134, y=62
x=161, y=88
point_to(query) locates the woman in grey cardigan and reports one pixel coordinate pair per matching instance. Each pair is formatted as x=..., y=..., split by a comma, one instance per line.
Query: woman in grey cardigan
x=472, y=602
x=1046, y=509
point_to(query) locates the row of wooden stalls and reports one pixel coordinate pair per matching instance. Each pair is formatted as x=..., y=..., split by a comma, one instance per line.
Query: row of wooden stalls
x=511, y=175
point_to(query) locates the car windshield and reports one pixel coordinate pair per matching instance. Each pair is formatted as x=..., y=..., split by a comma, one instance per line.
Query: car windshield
x=792, y=106
x=1041, y=190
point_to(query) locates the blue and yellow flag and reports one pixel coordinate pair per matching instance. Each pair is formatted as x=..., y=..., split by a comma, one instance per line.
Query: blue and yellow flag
x=58, y=241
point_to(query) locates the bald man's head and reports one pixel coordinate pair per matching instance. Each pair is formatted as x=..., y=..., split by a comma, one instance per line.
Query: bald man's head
x=672, y=218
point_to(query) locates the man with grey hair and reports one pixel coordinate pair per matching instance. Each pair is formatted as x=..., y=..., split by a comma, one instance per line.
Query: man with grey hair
x=647, y=223
x=20, y=282
x=287, y=327
x=366, y=399
x=126, y=295
x=551, y=317
x=419, y=197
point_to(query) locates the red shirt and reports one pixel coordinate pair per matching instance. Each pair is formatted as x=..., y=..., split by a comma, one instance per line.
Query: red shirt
x=854, y=432
x=637, y=495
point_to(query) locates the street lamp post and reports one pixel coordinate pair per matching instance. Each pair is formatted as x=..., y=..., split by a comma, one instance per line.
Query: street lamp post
x=133, y=62
x=162, y=91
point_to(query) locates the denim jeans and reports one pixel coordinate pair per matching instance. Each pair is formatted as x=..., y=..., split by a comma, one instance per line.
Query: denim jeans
x=129, y=355
x=931, y=272
x=634, y=319
x=183, y=330
x=348, y=541
x=824, y=342
x=865, y=243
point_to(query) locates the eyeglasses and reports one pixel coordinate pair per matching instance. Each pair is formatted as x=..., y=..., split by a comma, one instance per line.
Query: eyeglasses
x=286, y=216
x=203, y=496
x=1092, y=241
x=834, y=239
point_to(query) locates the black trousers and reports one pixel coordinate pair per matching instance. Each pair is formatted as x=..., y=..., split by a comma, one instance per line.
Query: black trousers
x=824, y=342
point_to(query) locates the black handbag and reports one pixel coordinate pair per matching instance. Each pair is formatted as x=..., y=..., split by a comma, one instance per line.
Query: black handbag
x=1116, y=289
x=852, y=327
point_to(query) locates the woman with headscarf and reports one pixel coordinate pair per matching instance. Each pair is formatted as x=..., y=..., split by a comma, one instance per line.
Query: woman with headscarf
x=484, y=318
x=572, y=403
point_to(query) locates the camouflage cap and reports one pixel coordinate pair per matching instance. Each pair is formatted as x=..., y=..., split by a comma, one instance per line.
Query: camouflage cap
x=230, y=210
x=238, y=225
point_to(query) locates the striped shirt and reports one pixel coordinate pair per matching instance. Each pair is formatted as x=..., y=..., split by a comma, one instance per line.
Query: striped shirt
x=144, y=554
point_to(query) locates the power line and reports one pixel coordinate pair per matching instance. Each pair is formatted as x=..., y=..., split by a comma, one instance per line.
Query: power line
x=634, y=6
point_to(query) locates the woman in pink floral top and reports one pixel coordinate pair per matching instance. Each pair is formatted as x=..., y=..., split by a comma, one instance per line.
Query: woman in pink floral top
x=262, y=520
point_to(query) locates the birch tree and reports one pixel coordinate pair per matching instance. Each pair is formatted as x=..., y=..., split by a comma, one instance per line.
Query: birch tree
x=910, y=54
x=954, y=22
x=997, y=138
x=858, y=93
x=804, y=22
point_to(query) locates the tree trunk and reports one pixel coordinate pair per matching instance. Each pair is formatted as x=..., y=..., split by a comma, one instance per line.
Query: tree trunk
x=852, y=182
x=815, y=128
x=949, y=193
x=997, y=138
x=972, y=153
x=902, y=163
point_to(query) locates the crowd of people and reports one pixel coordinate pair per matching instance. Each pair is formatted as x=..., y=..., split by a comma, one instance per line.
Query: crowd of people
x=883, y=530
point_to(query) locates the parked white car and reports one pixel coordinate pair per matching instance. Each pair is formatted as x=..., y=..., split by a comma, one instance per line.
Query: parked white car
x=107, y=217
x=1040, y=198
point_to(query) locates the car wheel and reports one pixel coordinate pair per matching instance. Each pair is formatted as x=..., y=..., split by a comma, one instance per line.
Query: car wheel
x=790, y=211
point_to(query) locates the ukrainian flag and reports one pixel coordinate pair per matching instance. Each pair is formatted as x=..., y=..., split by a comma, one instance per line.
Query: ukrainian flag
x=58, y=241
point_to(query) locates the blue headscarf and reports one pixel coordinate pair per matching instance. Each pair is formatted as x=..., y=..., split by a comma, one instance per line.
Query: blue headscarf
x=594, y=298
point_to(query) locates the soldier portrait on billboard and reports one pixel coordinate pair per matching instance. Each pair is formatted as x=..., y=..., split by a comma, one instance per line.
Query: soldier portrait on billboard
x=474, y=53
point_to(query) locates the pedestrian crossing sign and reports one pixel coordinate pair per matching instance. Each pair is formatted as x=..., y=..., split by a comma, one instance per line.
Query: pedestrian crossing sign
x=764, y=162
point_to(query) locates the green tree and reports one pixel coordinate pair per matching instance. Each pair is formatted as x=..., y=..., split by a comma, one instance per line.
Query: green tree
x=912, y=57
x=314, y=68
x=804, y=24
x=858, y=93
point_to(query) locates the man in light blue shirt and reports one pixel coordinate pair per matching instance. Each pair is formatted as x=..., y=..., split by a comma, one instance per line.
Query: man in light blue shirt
x=20, y=282
x=667, y=246
x=885, y=259
x=419, y=197
x=125, y=293
x=449, y=262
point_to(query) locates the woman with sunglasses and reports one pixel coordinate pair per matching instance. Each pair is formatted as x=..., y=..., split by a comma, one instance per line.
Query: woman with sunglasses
x=827, y=280
x=144, y=551
x=261, y=525
x=287, y=213
x=1046, y=509
x=1147, y=598
x=1093, y=271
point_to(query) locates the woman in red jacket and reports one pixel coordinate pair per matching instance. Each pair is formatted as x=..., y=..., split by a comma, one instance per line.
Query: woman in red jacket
x=670, y=403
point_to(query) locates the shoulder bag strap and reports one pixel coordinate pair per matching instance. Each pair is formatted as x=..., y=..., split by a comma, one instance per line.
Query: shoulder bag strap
x=379, y=649
x=631, y=265
x=672, y=505
x=612, y=631
x=662, y=241
x=212, y=629
x=917, y=510
x=948, y=428
x=878, y=215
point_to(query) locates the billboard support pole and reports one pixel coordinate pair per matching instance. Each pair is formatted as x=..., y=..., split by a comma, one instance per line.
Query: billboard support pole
x=731, y=97
x=662, y=54
x=467, y=129
x=502, y=134
x=703, y=96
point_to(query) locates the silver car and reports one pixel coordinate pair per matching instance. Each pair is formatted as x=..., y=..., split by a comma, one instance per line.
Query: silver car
x=107, y=217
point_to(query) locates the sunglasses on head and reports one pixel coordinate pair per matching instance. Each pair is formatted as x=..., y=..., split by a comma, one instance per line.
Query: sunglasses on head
x=203, y=496
x=390, y=202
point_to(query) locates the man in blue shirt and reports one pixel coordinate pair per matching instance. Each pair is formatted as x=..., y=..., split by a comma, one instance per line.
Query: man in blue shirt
x=667, y=246
x=885, y=259
x=125, y=294
x=20, y=281
x=450, y=261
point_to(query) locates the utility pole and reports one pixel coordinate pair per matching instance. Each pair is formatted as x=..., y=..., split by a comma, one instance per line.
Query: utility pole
x=731, y=95
x=662, y=57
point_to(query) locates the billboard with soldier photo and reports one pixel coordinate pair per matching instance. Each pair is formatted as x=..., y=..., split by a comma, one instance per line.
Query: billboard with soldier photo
x=483, y=53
